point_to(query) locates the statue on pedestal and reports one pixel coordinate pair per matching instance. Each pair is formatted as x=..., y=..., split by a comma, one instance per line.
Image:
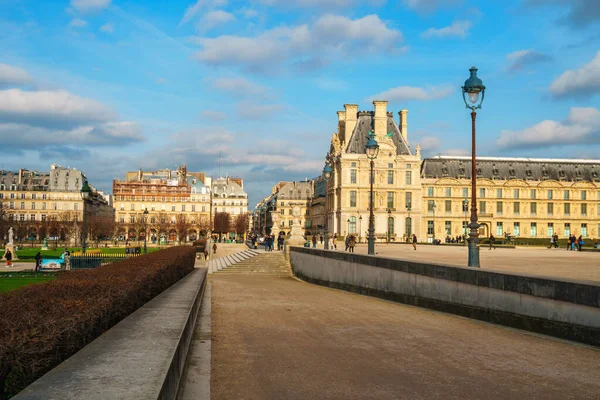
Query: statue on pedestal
x=45, y=244
x=296, y=238
x=10, y=245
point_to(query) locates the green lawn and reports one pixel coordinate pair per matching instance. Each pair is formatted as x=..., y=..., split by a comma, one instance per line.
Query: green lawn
x=28, y=254
x=14, y=280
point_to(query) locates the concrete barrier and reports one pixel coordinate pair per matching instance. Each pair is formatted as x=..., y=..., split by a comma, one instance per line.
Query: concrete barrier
x=141, y=358
x=565, y=309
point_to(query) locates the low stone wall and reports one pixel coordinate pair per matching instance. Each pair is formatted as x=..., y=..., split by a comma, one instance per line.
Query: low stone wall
x=565, y=309
x=142, y=357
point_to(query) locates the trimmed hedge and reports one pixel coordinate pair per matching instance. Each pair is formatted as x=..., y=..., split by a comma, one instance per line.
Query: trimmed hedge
x=44, y=324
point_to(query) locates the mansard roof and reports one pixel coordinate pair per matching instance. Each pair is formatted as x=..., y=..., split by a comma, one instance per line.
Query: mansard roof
x=501, y=168
x=301, y=190
x=364, y=124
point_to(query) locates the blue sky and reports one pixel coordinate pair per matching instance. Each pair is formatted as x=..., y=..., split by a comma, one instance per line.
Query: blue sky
x=110, y=85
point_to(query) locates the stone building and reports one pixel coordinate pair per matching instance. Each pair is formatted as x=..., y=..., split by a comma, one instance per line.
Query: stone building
x=178, y=204
x=397, y=182
x=48, y=204
x=521, y=197
x=229, y=197
x=274, y=214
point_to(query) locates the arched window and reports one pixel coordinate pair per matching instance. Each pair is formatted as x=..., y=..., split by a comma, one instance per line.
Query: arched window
x=352, y=225
x=391, y=226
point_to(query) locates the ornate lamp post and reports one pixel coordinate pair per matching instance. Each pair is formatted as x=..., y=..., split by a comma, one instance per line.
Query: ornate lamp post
x=434, y=207
x=408, y=223
x=327, y=171
x=348, y=227
x=372, y=149
x=359, y=227
x=389, y=212
x=86, y=192
x=145, y=230
x=472, y=89
x=465, y=209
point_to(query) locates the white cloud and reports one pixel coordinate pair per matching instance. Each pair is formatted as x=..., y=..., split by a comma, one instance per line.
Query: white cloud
x=457, y=152
x=213, y=115
x=250, y=110
x=578, y=83
x=328, y=37
x=195, y=8
x=239, y=86
x=23, y=136
x=86, y=6
x=213, y=19
x=523, y=58
x=429, y=5
x=161, y=81
x=457, y=29
x=108, y=28
x=19, y=105
x=581, y=127
x=10, y=75
x=405, y=93
x=78, y=23
x=250, y=13
x=429, y=143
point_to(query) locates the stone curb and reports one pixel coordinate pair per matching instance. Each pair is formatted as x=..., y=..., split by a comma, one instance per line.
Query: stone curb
x=140, y=358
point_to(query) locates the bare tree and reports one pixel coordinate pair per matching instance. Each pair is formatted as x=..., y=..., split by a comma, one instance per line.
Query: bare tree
x=162, y=224
x=3, y=221
x=53, y=228
x=242, y=223
x=222, y=223
x=203, y=223
x=69, y=225
x=182, y=226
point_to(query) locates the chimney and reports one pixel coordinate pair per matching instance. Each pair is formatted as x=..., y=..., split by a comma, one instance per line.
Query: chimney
x=341, y=125
x=403, y=124
x=351, y=115
x=380, y=122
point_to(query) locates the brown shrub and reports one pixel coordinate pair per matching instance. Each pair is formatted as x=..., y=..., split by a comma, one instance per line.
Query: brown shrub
x=42, y=325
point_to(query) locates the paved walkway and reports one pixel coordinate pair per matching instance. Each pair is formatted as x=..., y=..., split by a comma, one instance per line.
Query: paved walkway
x=558, y=263
x=279, y=338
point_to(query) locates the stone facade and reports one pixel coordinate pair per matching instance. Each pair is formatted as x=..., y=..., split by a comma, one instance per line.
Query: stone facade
x=167, y=195
x=520, y=197
x=48, y=204
x=397, y=186
x=229, y=196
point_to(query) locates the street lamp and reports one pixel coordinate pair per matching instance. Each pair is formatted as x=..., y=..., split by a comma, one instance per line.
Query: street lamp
x=372, y=150
x=327, y=171
x=86, y=192
x=389, y=212
x=408, y=222
x=433, y=207
x=359, y=227
x=471, y=90
x=348, y=227
x=145, y=230
x=465, y=209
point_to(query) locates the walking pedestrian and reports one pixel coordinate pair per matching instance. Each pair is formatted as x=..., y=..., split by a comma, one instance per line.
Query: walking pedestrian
x=8, y=257
x=335, y=241
x=314, y=241
x=215, y=248
x=352, y=243
x=492, y=242
x=579, y=242
x=38, y=261
x=206, y=254
x=555, y=241
x=347, y=242
x=331, y=243
x=414, y=241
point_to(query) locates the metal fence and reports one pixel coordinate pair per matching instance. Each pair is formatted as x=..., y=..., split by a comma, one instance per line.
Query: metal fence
x=88, y=261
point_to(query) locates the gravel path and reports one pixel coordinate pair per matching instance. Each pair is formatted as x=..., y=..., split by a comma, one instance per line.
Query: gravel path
x=278, y=338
